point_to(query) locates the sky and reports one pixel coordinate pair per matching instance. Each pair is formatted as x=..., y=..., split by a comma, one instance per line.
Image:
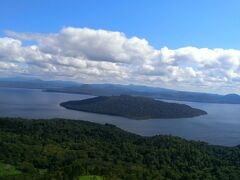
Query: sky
x=186, y=45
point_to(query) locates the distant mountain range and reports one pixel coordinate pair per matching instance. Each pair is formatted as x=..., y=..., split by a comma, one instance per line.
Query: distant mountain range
x=158, y=93
x=116, y=89
x=34, y=83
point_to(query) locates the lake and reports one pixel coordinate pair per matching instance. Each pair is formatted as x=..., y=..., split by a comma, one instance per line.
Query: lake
x=220, y=126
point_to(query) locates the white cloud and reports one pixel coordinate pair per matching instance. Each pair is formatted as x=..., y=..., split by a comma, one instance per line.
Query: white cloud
x=89, y=55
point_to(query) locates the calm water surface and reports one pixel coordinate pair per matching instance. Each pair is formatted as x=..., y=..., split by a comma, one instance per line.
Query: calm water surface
x=221, y=126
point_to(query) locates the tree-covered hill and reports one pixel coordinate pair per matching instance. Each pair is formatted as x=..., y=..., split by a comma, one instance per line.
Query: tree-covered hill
x=133, y=107
x=67, y=149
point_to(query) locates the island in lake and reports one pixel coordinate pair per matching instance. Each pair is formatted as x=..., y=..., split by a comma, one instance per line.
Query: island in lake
x=133, y=107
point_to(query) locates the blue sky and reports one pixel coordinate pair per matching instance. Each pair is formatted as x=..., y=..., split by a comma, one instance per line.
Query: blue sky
x=180, y=44
x=171, y=23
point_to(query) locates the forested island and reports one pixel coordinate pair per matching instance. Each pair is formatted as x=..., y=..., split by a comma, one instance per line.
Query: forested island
x=70, y=149
x=134, y=107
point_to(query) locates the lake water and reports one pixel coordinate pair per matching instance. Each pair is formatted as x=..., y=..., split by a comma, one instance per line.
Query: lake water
x=220, y=126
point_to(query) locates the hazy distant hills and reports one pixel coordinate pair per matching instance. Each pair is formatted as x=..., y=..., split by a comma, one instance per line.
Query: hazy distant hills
x=133, y=107
x=160, y=93
x=32, y=83
x=116, y=89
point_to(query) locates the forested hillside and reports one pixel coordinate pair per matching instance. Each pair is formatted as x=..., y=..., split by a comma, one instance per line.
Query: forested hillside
x=67, y=149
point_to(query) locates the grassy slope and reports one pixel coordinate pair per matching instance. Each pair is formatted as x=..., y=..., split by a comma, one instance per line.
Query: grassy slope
x=90, y=178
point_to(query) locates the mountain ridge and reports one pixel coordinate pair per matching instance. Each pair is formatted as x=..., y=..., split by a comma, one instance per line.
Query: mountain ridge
x=118, y=89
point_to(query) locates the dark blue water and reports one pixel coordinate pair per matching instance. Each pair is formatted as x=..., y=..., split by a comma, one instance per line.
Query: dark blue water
x=221, y=126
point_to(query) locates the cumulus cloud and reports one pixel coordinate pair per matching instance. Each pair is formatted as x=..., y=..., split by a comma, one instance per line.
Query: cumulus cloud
x=91, y=56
